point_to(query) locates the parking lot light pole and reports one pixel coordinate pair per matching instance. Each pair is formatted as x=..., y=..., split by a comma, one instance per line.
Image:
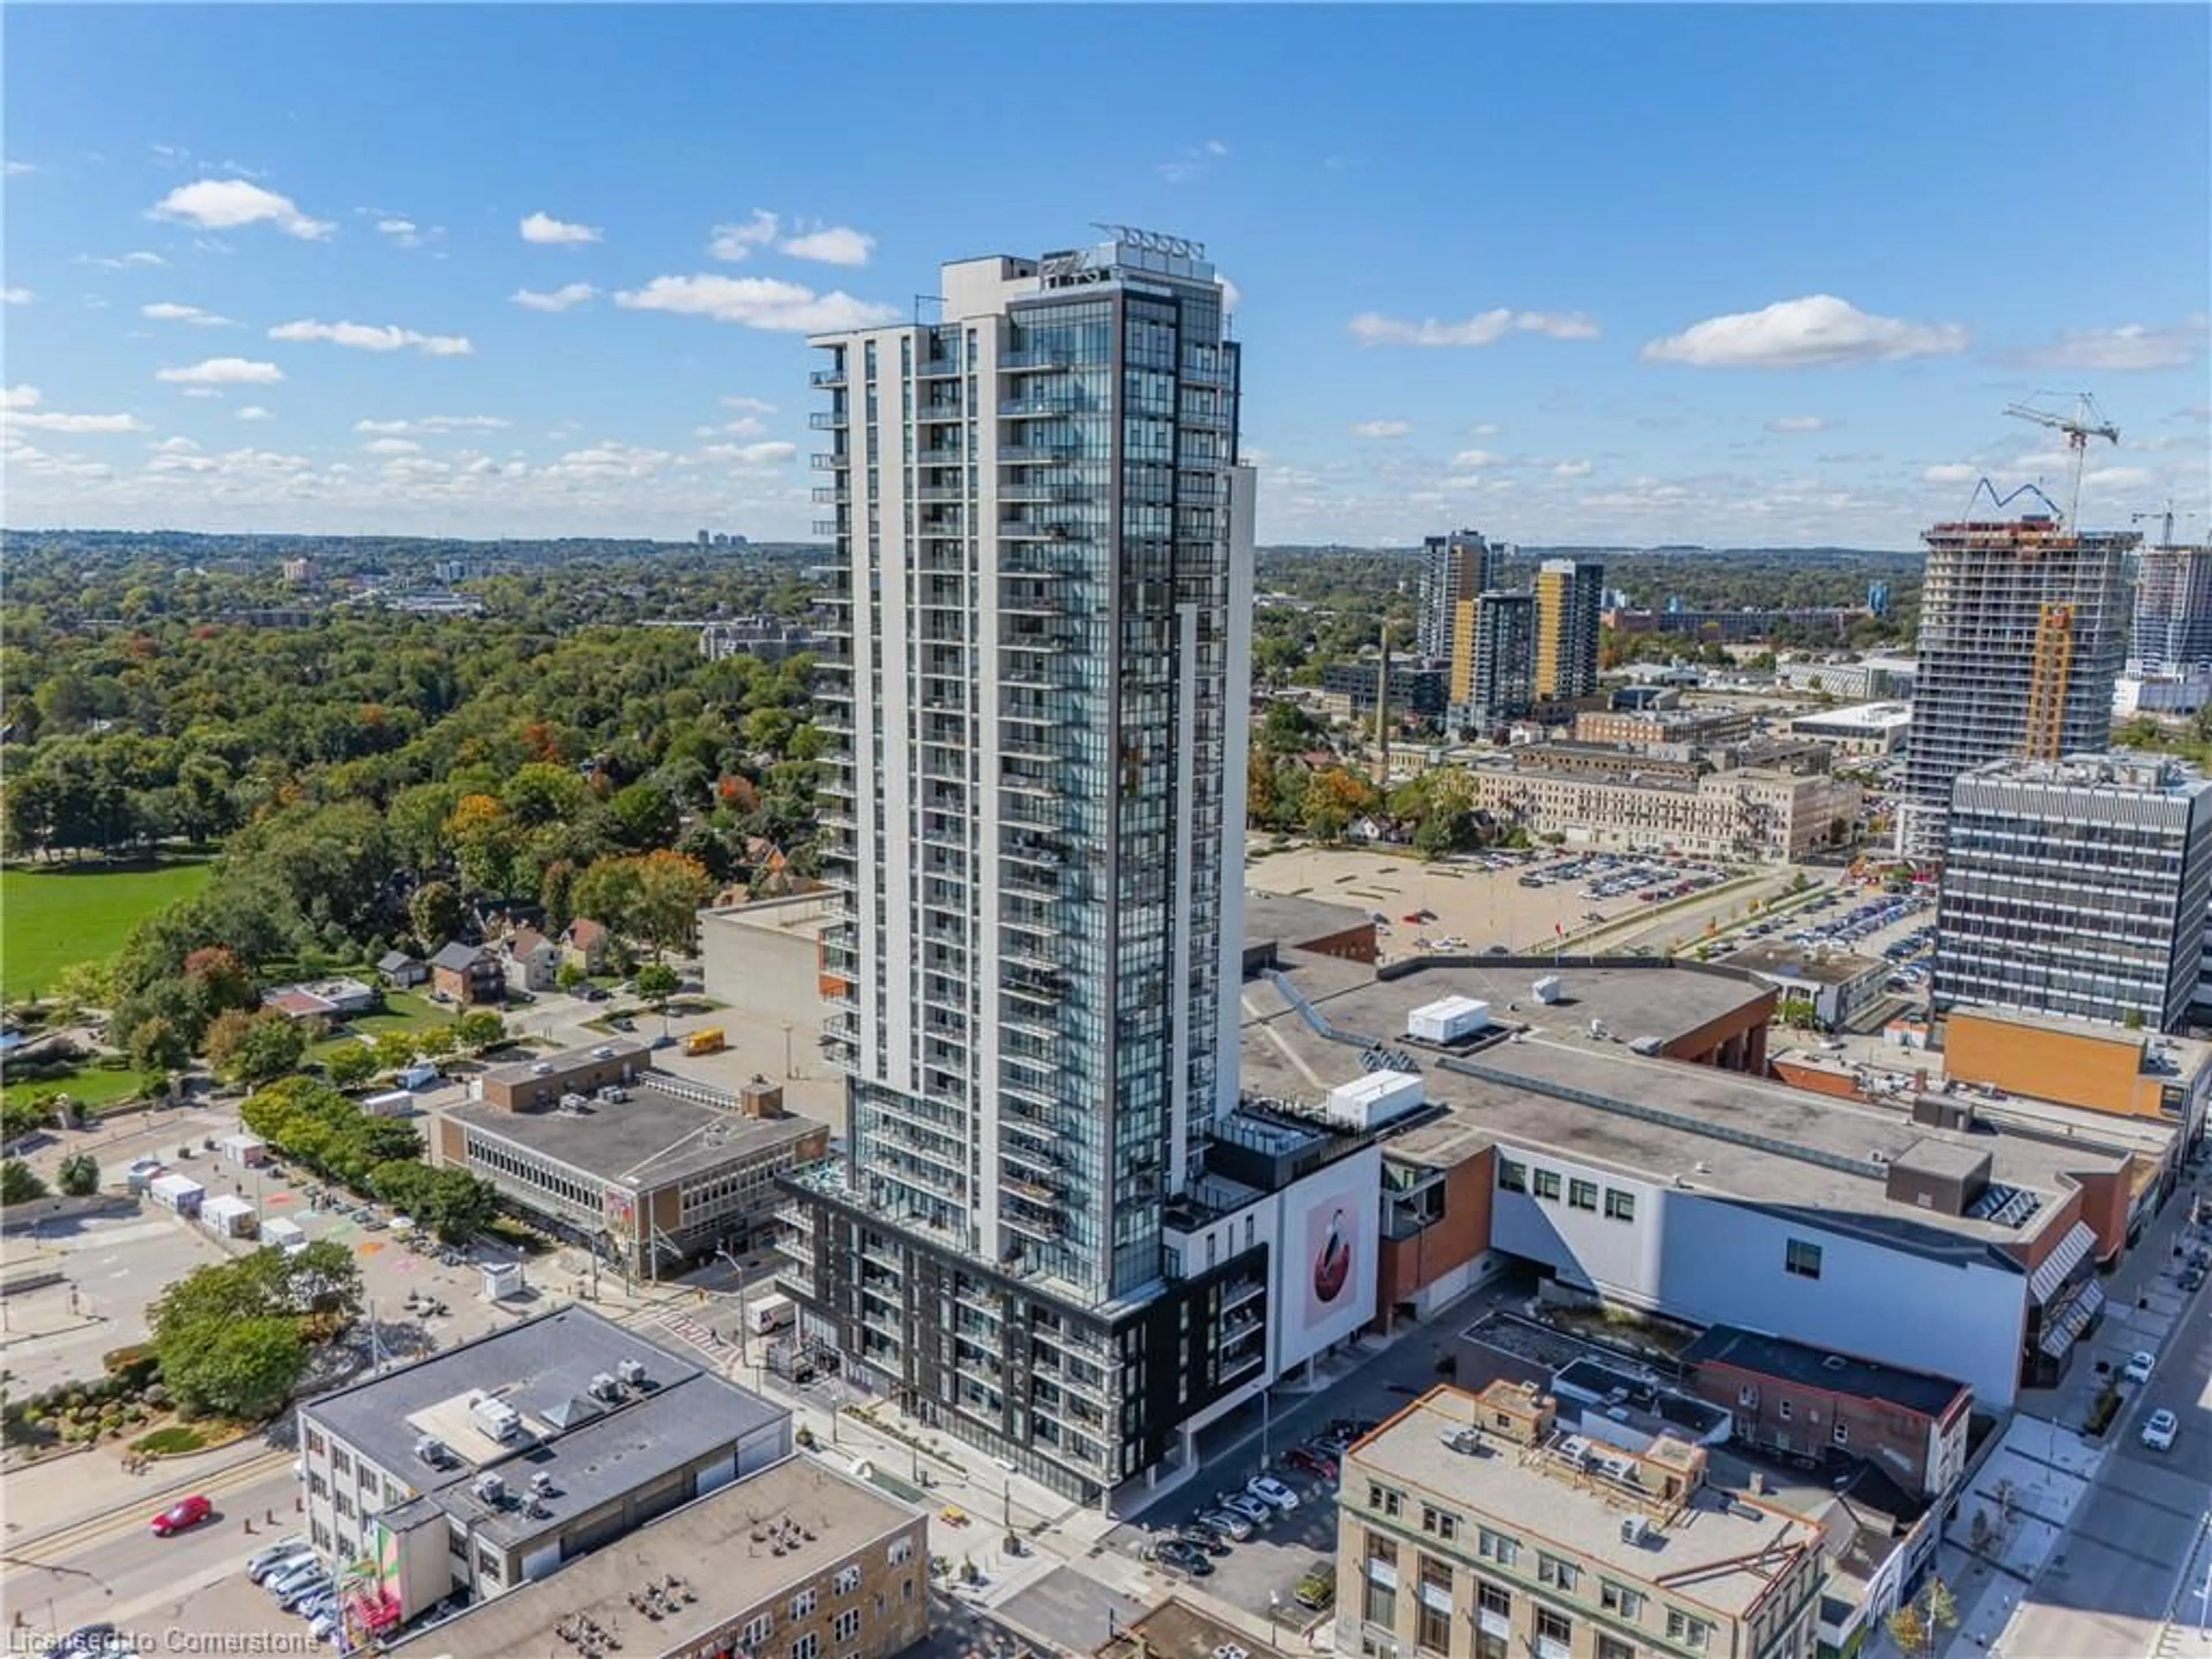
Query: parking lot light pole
x=1274, y=1612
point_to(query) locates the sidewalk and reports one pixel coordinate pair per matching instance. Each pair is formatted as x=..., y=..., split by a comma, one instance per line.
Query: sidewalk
x=60, y=1492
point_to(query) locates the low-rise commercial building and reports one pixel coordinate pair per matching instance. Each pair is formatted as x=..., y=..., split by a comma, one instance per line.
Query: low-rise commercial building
x=1418, y=689
x=766, y=957
x=1858, y=679
x=1472, y=1525
x=486, y=1466
x=800, y=1561
x=1866, y=730
x=1798, y=1399
x=1717, y=1198
x=2078, y=1063
x=644, y=1169
x=1749, y=812
x=1701, y=725
x=1838, y=984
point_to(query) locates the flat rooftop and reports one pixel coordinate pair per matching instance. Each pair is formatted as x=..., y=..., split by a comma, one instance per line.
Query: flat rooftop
x=1809, y=964
x=1722, y=1550
x=544, y=1368
x=1286, y=920
x=522, y=1072
x=1892, y=1077
x=1592, y=1101
x=668, y=1129
x=808, y=915
x=720, y=1547
x=1868, y=717
x=1922, y=1392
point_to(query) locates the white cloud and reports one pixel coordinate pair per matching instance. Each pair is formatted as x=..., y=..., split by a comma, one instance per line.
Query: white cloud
x=437, y=423
x=610, y=460
x=833, y=244
x=19, y=409
x=560, y=299
x=761, y=302
x=2118, y=478
x=16, y=296
x=1799, y=423
x=176, y=446
x=1479, y=457
x=1381, y=428
x=201, y=392
x=545, y=227
x=1575, y=469
x=255, y=413
x=743, y=427
x=767, y=454
x=2119, y=350
x=223, y=371
x=1817, y=330
x=1485, y=430
x=364, y=337
x=392, y=447
x=1951, y=472
x=18, y=169
x=1232, y=297
x=731, y=243
x=1193, y=161
x=228, y=204
x=752, y=405
x=138, y=258
x=1483, y=328
x=166, y=311
x=402, y=232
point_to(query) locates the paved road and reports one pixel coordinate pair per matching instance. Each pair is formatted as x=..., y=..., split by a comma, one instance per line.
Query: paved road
x=2119, y=1569
x=113, y=1567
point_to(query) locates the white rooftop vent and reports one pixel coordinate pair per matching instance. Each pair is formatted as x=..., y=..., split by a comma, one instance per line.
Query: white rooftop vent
x=1549, y=988
x=631, y=1371
x=1635, y=1529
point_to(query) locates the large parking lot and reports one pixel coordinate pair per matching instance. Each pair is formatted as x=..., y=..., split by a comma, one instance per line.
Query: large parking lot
x=1474, y=900
x=1899, y=927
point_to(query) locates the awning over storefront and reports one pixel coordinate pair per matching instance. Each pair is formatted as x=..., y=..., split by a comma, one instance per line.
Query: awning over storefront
x=2045, y=1281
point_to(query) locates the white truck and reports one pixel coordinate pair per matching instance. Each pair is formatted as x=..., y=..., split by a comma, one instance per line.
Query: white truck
x=769, y=1313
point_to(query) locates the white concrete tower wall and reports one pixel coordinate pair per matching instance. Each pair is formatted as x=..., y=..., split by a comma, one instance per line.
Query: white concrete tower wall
x=1243, y=504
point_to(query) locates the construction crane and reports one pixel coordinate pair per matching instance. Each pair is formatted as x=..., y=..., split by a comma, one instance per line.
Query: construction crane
x=2165, y=520
x=2086, y=423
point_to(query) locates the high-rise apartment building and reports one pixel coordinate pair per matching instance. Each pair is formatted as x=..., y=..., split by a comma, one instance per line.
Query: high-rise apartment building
x=1570, y=595
x=1039, y=671
x=2077, y=888
x=1493, y=657
x=1454, y=569
x=2023, y=627
x=2173, y=611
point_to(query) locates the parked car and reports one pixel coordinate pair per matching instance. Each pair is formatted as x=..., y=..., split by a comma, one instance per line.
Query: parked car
x=1244, y=1504
x=1317, y=1589
x=286, y=1585
x=1184, y=1558
x=1226, y=1522
x=1203, y=1538
x=2139, y=1366
x=1310, y=1460
x=262, y=1559
x=306, y=1595
x=296, y=1555
x=181, y=1516
x=2158, y=1430
x=1272, y=1492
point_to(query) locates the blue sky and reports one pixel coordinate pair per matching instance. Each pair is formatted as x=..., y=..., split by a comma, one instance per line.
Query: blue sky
x=1732, y=275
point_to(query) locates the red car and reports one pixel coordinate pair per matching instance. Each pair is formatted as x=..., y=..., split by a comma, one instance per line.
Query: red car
x=185, y=1512
x=1311, y=1461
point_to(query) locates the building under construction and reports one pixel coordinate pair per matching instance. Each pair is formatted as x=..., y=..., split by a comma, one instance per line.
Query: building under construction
x=2023, y=629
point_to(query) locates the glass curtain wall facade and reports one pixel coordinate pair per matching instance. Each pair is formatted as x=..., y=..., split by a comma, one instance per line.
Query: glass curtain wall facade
x=1043, y=570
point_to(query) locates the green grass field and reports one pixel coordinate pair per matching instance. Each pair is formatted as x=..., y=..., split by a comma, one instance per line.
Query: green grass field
x=50, y=918
x=403, y=1011
x=95, y=1089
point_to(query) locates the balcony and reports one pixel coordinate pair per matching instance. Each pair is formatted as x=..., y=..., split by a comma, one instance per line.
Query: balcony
x=833, y=494
x=1235, y=1296
x=939, y=415
x=955, y=493
x=938, y=368
x=1047, y=1228
x=837, y=461
x=1023, y=452
x=829, y=420
x=831, y=527
x=1044, y=409
x=1039, y=360
x=826, y=379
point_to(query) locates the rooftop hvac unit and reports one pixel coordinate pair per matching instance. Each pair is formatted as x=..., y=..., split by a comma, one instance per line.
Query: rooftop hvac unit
x=541, y=1482
x=1549, y=989
x=1635, y=1529
x=490, y=1489
x=496, y=1418
x=603, y=1387
x=603, y=1052
x=631, y=1371
x=432, y=1450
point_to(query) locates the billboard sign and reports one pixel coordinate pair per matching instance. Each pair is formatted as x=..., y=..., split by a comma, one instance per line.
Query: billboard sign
x=1331, y=1225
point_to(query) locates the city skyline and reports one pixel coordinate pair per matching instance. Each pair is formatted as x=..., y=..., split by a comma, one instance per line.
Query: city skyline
x=231, y=310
